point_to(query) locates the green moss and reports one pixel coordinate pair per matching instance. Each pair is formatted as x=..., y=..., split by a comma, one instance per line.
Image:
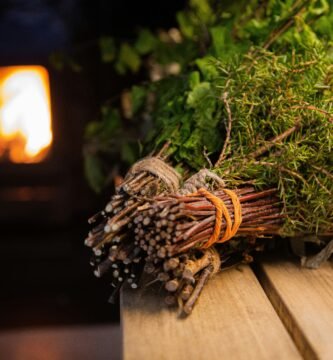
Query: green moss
x=271, y=63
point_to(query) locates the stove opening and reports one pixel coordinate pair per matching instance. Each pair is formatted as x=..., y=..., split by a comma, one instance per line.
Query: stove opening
x=25, y=114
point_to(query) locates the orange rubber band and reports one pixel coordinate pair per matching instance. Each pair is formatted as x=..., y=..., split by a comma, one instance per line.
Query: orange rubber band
x=222, y=211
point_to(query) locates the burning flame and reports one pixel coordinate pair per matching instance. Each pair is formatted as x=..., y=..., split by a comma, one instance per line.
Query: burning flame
x=25, y=113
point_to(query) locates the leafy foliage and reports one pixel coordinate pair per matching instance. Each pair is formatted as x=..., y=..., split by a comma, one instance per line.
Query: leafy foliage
x=259, y=69
x=107, y=139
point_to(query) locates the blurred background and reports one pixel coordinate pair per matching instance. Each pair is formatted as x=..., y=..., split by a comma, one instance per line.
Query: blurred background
x=50, y=57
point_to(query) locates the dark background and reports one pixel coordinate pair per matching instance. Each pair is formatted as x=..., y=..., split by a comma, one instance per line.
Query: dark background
x=45, y=276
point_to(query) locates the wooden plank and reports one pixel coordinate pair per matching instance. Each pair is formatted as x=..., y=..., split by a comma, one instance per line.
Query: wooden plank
x=233, y=320
x=303, y=299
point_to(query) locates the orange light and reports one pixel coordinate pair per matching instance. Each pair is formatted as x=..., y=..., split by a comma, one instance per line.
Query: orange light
x=25, y=113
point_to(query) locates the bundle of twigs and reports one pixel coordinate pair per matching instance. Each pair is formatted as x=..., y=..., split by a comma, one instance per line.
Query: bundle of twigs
x=167, y=235
x=173, y=224
x=170, y=234
x=110, y=240
x=173, y=231
x=183, y=277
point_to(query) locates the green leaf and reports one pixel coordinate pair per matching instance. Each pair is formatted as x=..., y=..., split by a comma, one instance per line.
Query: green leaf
x=203, y=10
x=93, y=168
x=319, y=8
x=138, y=95
x=224, y=46
x=185, y=24
x=107, y=49
x=305, y=37
x=146, y=42
x=324, y=26
x=128, y=58
x=194, y=79
x=207, y=67
x=198, y=93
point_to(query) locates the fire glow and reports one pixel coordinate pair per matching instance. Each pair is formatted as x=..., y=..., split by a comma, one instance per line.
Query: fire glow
x=25, y=114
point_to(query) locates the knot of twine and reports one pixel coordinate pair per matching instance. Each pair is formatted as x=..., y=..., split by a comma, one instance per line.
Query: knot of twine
x=199, y=180
x=160, y=169
x=220, y=213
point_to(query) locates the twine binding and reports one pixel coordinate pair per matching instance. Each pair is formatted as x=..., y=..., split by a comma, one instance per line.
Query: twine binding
x=160, y=169
x=222, y=212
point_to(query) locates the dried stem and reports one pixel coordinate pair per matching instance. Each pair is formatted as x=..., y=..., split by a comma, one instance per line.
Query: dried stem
x=228, y=134
x=260, y=151
x=188, y=307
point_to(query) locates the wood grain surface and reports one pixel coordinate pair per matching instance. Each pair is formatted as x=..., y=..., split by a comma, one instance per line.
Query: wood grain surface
x=232, y=320
x=303, y=298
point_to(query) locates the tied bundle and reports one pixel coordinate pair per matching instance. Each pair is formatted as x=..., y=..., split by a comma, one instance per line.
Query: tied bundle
x=257, y=110
x=173, y=224
x=110, y=240
x=170, y=236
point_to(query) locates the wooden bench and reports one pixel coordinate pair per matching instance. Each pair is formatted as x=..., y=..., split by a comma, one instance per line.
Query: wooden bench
x=281, y=311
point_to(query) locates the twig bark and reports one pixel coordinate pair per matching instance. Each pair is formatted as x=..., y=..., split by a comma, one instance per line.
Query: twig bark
x=228, y=134
x=262, y=149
